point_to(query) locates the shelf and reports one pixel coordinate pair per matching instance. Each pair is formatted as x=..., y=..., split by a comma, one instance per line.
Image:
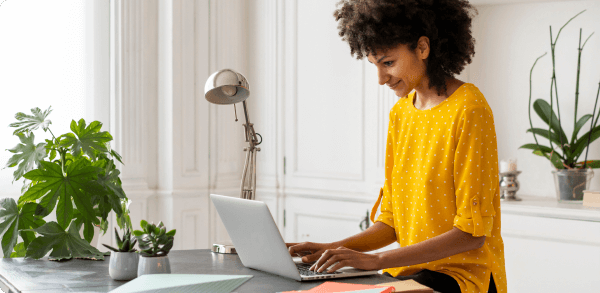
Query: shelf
x=504, y=2
x=549, y=207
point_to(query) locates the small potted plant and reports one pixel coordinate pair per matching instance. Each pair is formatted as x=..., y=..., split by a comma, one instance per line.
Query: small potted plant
x=154, y=243
x=124, y=260
x=567, y=154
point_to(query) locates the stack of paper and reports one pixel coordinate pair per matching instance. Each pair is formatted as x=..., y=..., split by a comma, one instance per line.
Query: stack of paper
x=159, y=283
x=345, y=287
x=591, y=198
x=408, y=286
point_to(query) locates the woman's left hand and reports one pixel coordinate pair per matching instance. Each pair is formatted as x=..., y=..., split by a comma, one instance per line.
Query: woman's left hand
x=335, y=259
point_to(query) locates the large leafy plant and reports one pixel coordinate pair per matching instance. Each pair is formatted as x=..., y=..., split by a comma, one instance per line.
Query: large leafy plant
x=563, y=152
x=73, y=175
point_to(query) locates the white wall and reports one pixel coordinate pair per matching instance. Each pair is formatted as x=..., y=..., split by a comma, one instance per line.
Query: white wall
x=509, y=38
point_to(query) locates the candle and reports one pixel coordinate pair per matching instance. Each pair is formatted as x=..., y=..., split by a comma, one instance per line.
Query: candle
x=508, y=166
x=503, y=166
x=512, y=165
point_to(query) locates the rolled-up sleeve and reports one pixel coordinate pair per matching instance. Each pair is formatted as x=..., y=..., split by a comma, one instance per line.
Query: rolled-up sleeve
x=385, y=193
x=475, y=171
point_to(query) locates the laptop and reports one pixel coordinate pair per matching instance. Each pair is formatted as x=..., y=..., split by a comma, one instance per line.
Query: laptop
x=260, y=246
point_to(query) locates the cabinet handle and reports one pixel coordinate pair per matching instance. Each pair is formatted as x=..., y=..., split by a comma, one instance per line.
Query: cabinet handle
x=365, y=221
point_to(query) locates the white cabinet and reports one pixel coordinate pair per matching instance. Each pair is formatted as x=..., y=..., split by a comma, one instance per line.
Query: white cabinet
x=550, y=246
x=325, y=220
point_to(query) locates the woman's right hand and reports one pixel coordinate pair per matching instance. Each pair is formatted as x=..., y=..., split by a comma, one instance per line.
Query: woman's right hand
x=309, y=251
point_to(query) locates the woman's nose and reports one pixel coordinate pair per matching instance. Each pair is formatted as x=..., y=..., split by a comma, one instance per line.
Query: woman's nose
x=382, y=77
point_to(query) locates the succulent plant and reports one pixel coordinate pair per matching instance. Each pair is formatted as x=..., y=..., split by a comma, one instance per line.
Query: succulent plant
x=126, y=244
x=154, y=240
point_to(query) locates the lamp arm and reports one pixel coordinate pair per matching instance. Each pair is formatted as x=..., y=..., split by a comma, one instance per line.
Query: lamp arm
x=250, y=133
x=248, y=188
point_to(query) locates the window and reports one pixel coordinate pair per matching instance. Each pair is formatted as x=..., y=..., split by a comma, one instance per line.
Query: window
x=53, y=53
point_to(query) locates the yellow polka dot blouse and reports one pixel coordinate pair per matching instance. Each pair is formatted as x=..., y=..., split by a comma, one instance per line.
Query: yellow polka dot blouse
x=441, y=171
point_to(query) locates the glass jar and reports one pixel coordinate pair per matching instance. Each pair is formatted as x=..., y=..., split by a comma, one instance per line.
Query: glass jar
x=570, y=184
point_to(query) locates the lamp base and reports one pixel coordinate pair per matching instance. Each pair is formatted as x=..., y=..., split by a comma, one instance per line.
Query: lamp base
x=223, y=248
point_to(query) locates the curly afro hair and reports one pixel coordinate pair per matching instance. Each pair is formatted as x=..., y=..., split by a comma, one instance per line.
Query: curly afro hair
x=372, y=25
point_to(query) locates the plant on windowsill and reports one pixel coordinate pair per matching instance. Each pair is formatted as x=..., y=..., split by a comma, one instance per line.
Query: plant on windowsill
x=123, y=259
x=74, y=173
x=571, y=176
x=155, y=243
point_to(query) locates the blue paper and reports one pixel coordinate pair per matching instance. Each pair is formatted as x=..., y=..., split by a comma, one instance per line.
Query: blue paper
x=159, y=283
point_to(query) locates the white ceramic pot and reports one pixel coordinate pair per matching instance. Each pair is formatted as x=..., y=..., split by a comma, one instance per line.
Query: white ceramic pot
x=154, y=265
x=123, y=265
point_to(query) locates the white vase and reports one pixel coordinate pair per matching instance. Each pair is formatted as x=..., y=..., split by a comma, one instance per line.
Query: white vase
x=154, y=265
x=123, y=265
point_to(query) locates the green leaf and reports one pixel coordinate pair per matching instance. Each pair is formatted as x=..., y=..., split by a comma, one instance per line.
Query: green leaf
x=542, y=108
x=28, y=123
x=27, y=153
x=582, y=142
x=580, y=124
x=143, y=224
x=126, y=243
x=28, y=219
x=116, y=156
x=124, y=221
x=594, y=164
x=19, y=250
x=88, y=231
x=111, y=248
x=533, y=146
x=544, y=133
x=137, y=233
x=89, y=139
x=55, y=185
x=9, y=225
x=556, y=161
x=108, y=188
x=171, y=233
x=119, y=241
x=64, y=244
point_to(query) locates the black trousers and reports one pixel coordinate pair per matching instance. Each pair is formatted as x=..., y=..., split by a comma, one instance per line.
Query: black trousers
x=438, y=281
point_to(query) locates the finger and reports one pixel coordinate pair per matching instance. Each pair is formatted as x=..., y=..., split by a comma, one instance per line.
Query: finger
x=322, y=259
x=296, y=247
x=332, y=260
x=339, y=265
x=313, y=257
x=330, y=253
x=290, y=244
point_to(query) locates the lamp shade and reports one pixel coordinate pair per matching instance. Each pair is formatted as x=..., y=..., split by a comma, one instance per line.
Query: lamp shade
x=226, y=87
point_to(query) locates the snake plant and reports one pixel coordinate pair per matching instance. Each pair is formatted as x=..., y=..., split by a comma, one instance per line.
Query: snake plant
x=154, y=240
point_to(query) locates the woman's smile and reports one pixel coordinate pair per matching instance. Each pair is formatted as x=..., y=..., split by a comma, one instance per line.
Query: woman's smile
x=395, y=85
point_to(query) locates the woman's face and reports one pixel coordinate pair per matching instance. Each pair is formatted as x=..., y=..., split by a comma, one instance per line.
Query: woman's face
x=403, y=70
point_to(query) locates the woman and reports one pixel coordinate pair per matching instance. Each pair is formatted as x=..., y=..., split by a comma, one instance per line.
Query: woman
x=440, y=200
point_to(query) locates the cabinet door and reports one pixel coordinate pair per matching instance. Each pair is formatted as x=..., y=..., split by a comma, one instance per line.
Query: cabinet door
x=324, y=220
x=551, y=255
x=324, y=102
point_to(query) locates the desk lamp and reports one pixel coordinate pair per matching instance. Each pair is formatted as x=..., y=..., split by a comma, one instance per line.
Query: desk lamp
x=226, y=87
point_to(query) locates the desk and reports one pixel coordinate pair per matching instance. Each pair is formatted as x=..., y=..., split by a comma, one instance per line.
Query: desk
x=43, y=276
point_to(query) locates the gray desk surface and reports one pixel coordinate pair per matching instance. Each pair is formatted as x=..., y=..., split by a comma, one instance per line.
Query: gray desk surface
x=43, y=276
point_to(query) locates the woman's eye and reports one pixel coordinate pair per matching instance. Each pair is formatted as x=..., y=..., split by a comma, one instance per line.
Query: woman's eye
x=388, y=63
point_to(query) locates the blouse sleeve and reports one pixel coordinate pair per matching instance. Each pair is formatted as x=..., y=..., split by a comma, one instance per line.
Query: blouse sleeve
x=475, y=172
x=385, y=193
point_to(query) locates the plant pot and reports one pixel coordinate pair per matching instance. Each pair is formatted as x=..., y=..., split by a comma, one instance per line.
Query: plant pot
x=123, y=265
x=154, y=265
x=570, y=184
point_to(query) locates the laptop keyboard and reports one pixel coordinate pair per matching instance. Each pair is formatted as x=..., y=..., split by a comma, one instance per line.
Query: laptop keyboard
x=304, y=270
